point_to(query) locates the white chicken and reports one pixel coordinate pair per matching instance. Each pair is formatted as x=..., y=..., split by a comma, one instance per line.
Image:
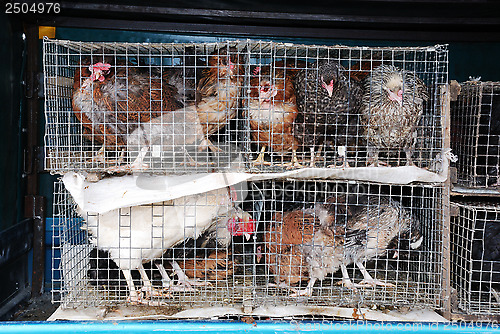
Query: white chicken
x=139, y=234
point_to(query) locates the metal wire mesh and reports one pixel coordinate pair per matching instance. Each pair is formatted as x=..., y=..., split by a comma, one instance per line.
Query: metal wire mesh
x=475, y=260
x=475, y=134
x=293, y=255
x=244, y=274
x=122, y=107
x=264, y=99
x=101, y=259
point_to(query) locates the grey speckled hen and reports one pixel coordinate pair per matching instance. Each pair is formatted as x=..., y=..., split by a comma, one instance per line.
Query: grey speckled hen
x=392, y=108
x=328, y=103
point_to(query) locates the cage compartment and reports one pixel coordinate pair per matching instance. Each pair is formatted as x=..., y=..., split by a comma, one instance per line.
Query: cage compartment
x=92, y=253
x=415, y=274
x=475, y=261
x=475, y=134
x=267, y=120
x=139, y=100
x=89, y=277
x=285, y=254
x=289, y=109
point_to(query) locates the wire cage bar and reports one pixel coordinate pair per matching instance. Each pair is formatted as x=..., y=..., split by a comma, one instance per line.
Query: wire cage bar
x=244, y=274
x=475, y=261
x=178, y=108
x=475, y=134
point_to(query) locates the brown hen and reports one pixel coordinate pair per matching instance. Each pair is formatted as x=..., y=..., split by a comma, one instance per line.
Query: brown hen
x=312, y=243
x=112, y=101
x=219, y=89
x=272, y=111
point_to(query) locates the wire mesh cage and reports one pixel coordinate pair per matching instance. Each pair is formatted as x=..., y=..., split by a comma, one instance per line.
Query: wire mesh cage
x=475, y=134
x=351, y=244
x=184, y=252
x=475, y=261
x=121, y=107
x=327, y=106
x=336, y=221
x=176, y=108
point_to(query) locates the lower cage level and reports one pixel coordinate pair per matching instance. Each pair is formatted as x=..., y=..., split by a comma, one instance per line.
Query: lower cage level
x=265, y=271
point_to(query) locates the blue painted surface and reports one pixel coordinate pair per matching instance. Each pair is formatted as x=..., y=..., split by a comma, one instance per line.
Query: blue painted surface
x=264, y=327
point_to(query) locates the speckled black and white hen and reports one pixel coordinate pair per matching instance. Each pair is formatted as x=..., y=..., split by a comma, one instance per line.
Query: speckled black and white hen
x=328, y=103
x=392, y=108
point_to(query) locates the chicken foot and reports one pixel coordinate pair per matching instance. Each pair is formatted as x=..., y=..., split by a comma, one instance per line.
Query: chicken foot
x=295, y=161
x=136, y=297
x=409, y=152
x=368, y=280
x=260, y=159
x=307, y=291
x=183, y=280
x=296, y=292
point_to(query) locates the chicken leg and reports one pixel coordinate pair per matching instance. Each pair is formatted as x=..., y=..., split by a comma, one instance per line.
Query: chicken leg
x=368, y=280
x=260, y=159
x=135, y=297
x=184, y=283
x=307, y=291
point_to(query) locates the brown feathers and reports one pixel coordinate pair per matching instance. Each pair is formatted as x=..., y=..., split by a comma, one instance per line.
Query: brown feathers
x=128, y=96
x=215, y=267
x=219, y=89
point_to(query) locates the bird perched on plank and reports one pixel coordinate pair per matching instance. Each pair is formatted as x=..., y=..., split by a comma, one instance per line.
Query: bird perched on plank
x=392, y=108
x=328, y=104
x=139, y=234
x=271, y=112
x=111, y=101
x=314, y=242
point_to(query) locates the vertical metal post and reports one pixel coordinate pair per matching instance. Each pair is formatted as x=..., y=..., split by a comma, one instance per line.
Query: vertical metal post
x=445, y=125
x=34, y=204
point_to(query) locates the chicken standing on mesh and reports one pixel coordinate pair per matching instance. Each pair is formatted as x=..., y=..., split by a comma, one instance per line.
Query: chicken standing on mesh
x=328, y=104
x=392, y=108
x=272, y=111
x=139, y=234
x=318, y=241
x=219, y=89
x=111, y=101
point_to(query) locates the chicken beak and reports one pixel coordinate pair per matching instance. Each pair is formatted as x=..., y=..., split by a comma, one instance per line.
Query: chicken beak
x=329, y=88
x=247, y=236
x=395, y=97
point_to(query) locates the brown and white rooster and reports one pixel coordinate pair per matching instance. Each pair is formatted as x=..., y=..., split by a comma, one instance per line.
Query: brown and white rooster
x=219, y=89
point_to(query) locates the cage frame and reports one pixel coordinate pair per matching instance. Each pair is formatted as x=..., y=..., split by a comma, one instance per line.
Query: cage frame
x=255, y=52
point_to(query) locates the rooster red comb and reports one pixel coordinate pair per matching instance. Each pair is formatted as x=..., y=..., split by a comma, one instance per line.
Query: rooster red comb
x=99, y=70
x=244, y=225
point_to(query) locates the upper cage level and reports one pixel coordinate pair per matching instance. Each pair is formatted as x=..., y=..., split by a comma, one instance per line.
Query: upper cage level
x=179, y=108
